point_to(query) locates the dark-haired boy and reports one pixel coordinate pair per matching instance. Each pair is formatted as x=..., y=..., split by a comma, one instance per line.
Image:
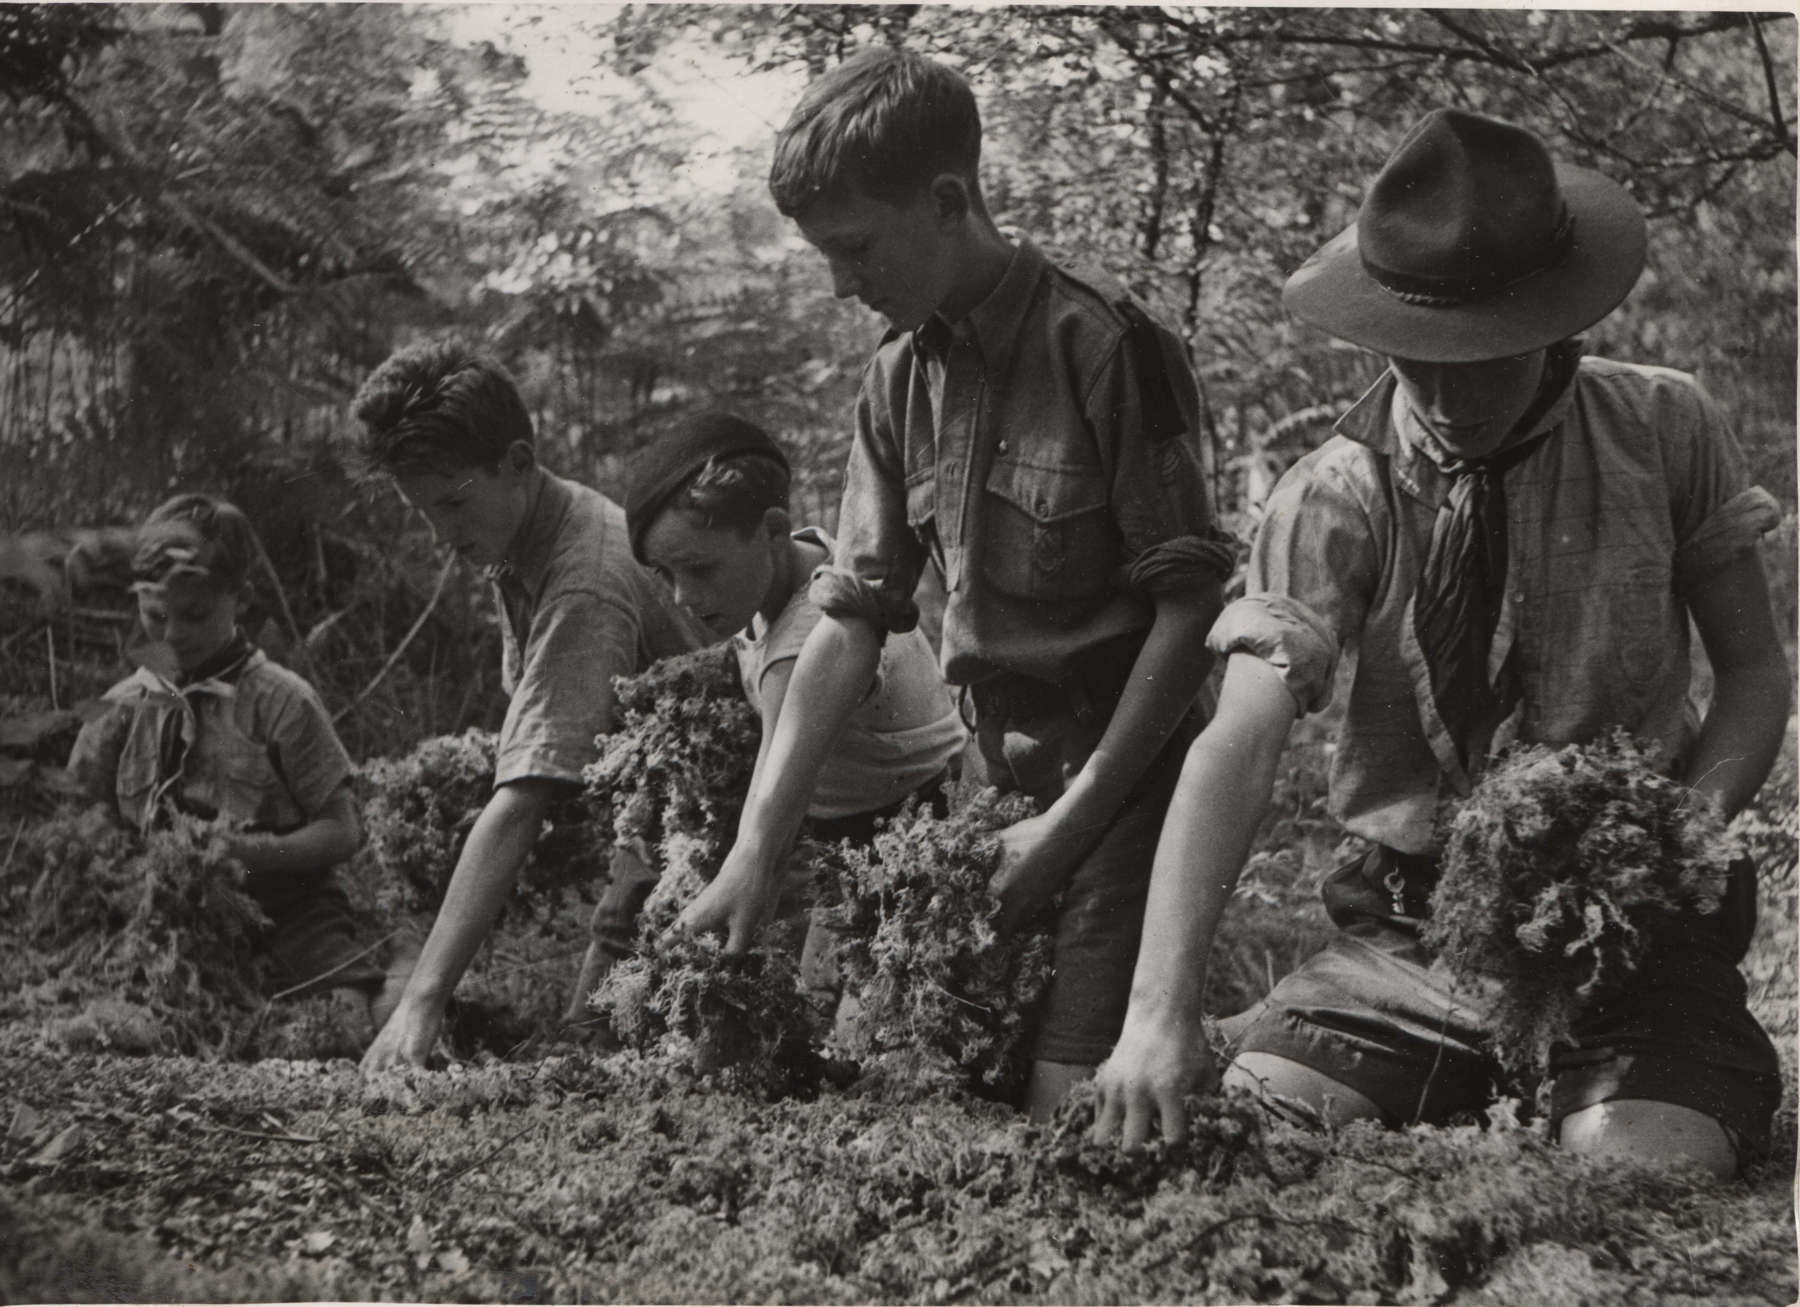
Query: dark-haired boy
x=1028, y=434
x=1510, y=538
x=209, y=727
x=449, y=427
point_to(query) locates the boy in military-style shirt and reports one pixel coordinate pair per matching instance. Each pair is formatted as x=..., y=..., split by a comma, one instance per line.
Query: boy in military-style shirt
x=1028, y=435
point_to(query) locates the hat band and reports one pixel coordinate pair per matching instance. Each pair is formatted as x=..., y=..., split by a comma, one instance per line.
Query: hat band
x=1449, y=292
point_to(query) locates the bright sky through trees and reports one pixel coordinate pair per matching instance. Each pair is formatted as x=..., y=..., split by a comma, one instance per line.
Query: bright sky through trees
x=565, y=47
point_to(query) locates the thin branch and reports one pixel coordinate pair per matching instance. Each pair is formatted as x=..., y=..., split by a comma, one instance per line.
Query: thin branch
x=1768, y=64
x=399, y=649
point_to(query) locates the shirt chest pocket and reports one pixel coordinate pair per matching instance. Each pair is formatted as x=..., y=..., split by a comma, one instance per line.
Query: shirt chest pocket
x=1048, y=534
x=247, y=787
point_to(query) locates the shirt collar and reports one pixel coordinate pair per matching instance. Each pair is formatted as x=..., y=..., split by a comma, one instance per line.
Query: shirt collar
x=528, y=557
x=994, y=323
x=1381, y=421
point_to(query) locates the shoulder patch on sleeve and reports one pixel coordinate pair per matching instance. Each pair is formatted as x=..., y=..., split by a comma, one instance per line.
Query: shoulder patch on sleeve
x=1145, y=355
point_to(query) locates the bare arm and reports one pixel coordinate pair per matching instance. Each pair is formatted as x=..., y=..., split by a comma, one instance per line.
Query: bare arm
x=331, y=837
x=1042, y=851
x=1748, y=716
x=497, y=847
x=1218, y=805
x=831, y=676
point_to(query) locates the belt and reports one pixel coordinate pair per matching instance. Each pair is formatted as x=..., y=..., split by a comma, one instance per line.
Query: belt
x=1094, y=681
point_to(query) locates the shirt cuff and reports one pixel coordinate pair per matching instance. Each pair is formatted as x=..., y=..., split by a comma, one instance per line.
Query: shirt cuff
x=1183, y=563
x=1734, y=526
x=1287, y=635
x=839, y=593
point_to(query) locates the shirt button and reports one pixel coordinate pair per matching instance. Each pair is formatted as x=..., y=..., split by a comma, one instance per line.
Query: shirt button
x=1001, y=447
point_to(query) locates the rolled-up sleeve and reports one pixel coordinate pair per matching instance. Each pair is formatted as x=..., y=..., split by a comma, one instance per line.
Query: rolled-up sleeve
x=879, y=555
x=1717, y=513
x=1288, y=636
x=1311, y=577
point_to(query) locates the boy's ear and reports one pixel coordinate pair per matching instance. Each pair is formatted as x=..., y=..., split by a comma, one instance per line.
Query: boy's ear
x=776, y=523
x=520, y=456
x=950, y=196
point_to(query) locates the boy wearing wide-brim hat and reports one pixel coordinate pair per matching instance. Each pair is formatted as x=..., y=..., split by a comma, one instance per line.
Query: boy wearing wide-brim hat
x=1509, y=539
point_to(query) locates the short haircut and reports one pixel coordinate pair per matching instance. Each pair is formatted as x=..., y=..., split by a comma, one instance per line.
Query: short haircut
x=439, y=406
x=197, y=535
x=733, y=492
x=883, y=122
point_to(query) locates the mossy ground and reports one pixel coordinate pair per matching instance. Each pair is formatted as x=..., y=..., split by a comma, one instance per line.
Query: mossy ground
x=561, y=1173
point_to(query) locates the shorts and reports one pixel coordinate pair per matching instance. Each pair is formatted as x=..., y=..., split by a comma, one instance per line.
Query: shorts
x=1037, y=744
x=1370, y=1011
x=314, y=937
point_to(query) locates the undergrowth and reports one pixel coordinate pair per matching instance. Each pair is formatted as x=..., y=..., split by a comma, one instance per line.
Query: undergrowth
x=143, y=944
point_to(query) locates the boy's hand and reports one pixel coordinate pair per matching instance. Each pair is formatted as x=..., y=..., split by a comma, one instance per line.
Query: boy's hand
x=1142, y=1084
x=406, y=1040
x=1037, y=857
x=737, y=903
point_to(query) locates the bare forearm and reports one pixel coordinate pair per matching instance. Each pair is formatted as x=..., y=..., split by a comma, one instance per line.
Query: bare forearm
x=329, y=838
x=497, y=847
x=834, y=671
x=1170, y=670
x=1218, y=806
x=1741, y=735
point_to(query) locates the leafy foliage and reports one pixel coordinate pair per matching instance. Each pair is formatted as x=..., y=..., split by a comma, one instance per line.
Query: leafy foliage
x=744, y=1018
x=943, y=997
x=1558, y=873
x=154, y=938
x=585, y=1179
x=678, y=762
x=418, y=810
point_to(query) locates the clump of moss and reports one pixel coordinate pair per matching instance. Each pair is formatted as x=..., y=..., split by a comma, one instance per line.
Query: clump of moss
x=1225, y=1135
x=418, y=810
x=677, y=765
x=1558, y=873
x=943, y=996
x=102, y=922
x=675, y=771
x=743, y=1018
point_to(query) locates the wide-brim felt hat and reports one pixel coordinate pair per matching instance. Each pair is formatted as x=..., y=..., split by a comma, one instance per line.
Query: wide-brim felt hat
x=1473, y=244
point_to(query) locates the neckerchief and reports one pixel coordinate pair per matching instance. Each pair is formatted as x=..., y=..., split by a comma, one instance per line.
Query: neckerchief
x=1457, y=606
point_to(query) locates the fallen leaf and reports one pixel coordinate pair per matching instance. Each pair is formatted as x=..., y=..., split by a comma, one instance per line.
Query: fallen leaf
x=58, y=1148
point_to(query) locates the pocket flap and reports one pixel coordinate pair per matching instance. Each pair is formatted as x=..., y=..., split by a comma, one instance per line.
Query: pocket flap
x=1047, y=494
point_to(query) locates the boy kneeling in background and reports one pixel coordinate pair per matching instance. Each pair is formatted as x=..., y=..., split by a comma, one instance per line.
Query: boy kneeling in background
x=210, y=727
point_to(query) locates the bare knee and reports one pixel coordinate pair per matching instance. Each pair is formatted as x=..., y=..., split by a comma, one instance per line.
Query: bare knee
x=1644, y=1130
x=1268, y=1075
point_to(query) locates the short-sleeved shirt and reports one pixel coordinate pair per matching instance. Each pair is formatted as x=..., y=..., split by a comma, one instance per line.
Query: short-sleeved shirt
x=901, y=735
x=1041, y=452
x=577, y=611
x=255, y=748
x=1613, y=521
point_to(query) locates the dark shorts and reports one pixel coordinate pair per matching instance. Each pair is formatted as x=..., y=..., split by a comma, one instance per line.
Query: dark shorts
x=314, y=939
x=1370, y=1011
x=1037, y=744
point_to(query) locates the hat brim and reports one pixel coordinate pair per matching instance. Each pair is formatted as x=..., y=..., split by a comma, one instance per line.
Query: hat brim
x=1332, y=290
